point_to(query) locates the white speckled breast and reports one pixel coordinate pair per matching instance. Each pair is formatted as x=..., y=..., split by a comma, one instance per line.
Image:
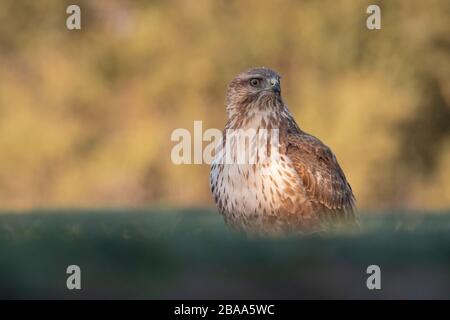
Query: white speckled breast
x=247, y=195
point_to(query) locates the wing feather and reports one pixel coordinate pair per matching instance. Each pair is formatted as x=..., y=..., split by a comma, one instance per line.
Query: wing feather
x=323, y=179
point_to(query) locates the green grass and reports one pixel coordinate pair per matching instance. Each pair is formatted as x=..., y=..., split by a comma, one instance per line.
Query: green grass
x=159, y=254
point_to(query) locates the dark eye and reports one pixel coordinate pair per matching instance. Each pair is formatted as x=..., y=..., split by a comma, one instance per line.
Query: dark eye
x=254, y=82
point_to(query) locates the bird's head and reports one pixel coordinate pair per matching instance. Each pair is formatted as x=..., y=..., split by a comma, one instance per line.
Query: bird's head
x=257, y=87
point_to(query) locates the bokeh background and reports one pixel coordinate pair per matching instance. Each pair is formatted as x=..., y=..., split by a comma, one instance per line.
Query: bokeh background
x=86, y=116
x=86, y=119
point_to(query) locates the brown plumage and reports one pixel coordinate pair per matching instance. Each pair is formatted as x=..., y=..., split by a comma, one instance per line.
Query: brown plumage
x=303, y=190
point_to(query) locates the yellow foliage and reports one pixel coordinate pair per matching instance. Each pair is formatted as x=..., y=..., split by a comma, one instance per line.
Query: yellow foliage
x=86, y=116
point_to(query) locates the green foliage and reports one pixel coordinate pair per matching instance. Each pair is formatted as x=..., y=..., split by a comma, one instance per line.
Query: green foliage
x=86, y=116
x=161, y=253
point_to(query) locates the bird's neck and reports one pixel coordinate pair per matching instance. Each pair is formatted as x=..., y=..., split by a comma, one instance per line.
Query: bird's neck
x=254, y=120
x=258, y=117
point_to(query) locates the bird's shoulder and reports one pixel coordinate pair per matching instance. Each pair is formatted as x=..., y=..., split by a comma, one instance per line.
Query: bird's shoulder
x=307, y=147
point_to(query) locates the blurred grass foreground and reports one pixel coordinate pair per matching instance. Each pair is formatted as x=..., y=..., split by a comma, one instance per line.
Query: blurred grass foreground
x=158, y=254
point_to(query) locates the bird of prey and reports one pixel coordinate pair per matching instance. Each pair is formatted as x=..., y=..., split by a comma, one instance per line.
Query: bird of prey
x=302, y=190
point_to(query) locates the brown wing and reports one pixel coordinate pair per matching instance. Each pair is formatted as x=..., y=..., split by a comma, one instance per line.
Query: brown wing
x=323, y=179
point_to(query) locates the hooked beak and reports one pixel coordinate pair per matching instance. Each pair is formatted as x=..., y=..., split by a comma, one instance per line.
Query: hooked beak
x=275, y=85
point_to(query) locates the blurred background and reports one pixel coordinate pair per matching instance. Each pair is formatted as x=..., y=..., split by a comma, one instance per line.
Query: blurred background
x=86, y=118
x=86, y=115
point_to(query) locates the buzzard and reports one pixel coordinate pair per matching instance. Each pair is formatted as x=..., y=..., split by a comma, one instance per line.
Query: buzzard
x=302, y=190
